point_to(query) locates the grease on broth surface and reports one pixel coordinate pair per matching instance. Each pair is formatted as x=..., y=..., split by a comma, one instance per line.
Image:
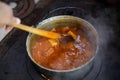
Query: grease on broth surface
x=65, y=56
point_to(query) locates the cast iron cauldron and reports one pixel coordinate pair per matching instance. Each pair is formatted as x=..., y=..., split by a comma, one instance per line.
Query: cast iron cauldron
x=65, y=20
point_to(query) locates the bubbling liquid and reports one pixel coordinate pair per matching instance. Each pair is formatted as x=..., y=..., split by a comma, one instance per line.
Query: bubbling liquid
x=63, y=56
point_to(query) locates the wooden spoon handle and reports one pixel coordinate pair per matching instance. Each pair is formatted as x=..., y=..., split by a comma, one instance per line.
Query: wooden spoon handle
x=44, y=33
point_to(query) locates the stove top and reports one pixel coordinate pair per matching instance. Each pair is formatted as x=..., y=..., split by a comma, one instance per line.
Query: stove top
x=16, y=65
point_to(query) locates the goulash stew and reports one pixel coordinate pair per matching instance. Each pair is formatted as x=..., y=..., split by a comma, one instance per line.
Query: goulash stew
x=62, y=54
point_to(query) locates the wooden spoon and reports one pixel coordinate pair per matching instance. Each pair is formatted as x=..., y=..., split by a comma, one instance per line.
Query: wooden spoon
x=44, y=33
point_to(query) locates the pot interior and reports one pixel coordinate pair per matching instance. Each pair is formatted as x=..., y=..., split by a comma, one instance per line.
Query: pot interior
x=61, y=21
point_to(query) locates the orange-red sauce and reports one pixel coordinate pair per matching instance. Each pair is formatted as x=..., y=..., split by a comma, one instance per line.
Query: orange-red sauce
x=65, y=56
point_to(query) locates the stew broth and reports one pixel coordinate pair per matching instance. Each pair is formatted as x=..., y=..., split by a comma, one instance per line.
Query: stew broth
x=63, y=56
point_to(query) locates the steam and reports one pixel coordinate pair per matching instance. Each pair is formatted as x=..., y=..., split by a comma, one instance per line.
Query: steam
x=104, y=25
